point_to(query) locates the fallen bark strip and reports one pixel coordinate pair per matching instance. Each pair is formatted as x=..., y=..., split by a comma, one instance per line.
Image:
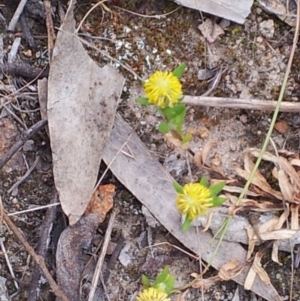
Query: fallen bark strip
x=24, y=137
x=16, y=16
x=24, y=70
x=38, y=259
x=236, y=103
x=153, y=186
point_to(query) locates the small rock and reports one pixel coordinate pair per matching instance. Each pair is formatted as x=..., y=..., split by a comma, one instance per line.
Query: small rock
x=124, y=257
x=267, y=29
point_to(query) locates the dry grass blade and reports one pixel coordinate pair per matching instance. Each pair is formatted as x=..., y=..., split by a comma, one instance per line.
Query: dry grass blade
x=285, y=187
x=274, y=255
x=260, y=182
x=295, y=217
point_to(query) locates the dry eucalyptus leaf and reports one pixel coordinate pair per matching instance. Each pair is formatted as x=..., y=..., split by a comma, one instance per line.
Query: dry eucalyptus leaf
x=82, y=101
x=152, y=185
x=234, y=10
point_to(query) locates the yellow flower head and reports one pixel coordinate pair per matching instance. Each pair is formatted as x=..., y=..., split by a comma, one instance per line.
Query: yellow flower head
x=194, y=200
x=152, y=294
x=163, y=89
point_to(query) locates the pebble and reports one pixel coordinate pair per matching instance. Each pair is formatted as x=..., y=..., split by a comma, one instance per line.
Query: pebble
x=267, y=29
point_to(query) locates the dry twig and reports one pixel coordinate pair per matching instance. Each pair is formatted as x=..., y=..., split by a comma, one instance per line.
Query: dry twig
x=38, y=259
x=15, y=18
x=236, y=103
x=50, y=28
x=25, y=136
x=42, y=248
x=102, y=255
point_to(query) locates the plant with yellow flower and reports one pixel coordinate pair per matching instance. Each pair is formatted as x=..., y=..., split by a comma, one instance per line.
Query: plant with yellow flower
x=194, y=199
x=163, y=89
x=160, y=289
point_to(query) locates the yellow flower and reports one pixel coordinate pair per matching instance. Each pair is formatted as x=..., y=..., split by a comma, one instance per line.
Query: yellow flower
x=152, y=294
x=194, y=200
x=163, y=89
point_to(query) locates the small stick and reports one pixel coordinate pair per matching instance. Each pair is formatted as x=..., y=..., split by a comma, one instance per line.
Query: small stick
x=28, y=172
x=50, y=28
x=33, y=209
x=15, y=18
x=38, y=259
x=8, y=264
x=24, y=137
x=113, y=259
x=45, y=230
x=102, y=255
x=236, y=103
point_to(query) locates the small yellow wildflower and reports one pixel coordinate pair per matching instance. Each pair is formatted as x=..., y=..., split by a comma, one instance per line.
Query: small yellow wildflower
x=163, y=89
x=152, y=294
x=194, y=200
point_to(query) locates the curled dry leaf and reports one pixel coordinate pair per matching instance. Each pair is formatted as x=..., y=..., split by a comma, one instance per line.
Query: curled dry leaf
x=283, y=163
x=206, y=150
x=256, y=269
x=294, y=217
x=181, y=296
x=174, y=141
x=260, y=182
x=203, y=283
x=216, y=164
x=278, y=234
x=286, y=188
x=230, y=270
x=252, y=240
x=208, y=220
x=291, y=172
x=197, y=159
x=275, y=252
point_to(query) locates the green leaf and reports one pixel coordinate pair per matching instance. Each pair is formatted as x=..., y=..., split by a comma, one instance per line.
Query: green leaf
x=145, y=281
x=217, y=201
x=178, y=71
x=186, y=224
x=143, y=101
x=169, y=282
x=164, y=127
x=186, y=138
x=171, y=112
x=215, y=189
x=177, y=187
x=203, y=181
x=162, y=276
